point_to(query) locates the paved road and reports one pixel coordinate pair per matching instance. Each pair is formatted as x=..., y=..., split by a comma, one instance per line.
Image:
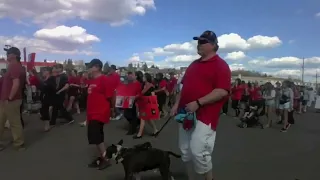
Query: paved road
x=240, y=154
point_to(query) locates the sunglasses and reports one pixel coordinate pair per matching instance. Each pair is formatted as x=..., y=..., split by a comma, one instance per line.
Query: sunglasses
x=203, y=41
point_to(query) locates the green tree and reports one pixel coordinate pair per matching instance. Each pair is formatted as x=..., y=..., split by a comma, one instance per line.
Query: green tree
x=145, y=67
x=106, y=67
x=69, y=66
x=130, y=67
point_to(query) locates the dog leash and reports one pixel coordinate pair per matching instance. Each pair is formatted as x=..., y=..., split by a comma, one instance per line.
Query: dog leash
x=164, y=125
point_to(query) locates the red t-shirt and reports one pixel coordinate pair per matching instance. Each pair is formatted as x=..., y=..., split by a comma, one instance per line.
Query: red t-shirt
x=98, y=101
x=115, y=79
x=237, y=92
x=15, y=71
x=255, y=93
x=163, y=83
x=34, y=80
x=171, y=84
x=74, y=80
x=201, y=78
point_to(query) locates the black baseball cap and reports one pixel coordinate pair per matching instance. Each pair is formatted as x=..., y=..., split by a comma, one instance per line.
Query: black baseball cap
x=209, y=36
x=114, y=67
x=96, y=62
x=13, y=50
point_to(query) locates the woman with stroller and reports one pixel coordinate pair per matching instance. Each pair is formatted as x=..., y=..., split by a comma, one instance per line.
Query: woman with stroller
x=269, y=95
x=237, y=92
x=286, y=104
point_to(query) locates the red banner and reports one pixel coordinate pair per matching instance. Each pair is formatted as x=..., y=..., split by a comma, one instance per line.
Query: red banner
x=31, y=61
x=126, y=94
x=148, y=108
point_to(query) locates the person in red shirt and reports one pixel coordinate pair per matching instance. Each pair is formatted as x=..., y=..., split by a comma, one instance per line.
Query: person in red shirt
x=11, y=98
x=206, y=85
x=100, y=106
x=33, y=82
x=172, y=89
x=115, y=81
x=73, y=91
x=131, y=113
x=237, y=92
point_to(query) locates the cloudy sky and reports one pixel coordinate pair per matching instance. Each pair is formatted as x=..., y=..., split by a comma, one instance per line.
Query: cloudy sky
x=267, y=35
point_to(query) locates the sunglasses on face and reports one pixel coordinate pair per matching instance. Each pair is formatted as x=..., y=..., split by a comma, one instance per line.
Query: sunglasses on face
x=202, y=41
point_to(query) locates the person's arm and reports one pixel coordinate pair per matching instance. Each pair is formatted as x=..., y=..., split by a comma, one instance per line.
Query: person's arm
x=291, y=98
x=222, y=85
x=162, y=87
x=65, y=87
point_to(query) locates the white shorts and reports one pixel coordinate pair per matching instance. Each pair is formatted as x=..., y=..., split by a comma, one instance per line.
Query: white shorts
x=197, y=146
x=284, y=106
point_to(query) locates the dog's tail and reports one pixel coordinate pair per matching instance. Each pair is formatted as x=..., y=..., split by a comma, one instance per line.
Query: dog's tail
x=174, y=154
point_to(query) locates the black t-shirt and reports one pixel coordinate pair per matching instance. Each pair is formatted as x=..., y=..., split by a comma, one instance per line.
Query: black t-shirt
x=60, y=81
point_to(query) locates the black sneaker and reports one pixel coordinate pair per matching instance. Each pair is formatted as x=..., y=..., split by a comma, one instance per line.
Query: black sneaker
x=279, y=122
x=103, y=164
x=95, y=163
x=2, y=147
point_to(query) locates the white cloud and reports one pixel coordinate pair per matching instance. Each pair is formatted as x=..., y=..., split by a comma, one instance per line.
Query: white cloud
x=237, y=55
x=286, y=62
x=228, y=43
x=235, y=67
x=59, y=40
x=115, y=12
x=317, y=15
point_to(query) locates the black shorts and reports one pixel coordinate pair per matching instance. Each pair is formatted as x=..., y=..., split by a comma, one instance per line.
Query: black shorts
x=95, y=132
x=304, y=102
x=235, y=104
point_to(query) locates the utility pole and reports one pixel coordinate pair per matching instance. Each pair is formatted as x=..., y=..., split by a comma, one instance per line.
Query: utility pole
x=316, y=80
x=302, y=74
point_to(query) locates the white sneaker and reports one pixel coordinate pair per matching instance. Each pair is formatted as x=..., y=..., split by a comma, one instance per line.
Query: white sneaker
x=83, y=124
x=117, y=118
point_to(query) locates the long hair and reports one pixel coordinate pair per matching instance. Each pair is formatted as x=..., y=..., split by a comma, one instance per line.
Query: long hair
x=268, y=87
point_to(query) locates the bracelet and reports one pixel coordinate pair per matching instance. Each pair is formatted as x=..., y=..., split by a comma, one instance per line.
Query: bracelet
x=198, y=103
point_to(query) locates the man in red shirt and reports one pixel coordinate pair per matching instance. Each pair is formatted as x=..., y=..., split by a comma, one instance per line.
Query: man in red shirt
x=115, y=81
x=206, y=85
x=172, y=88
x=11, y=98
x=100, y=106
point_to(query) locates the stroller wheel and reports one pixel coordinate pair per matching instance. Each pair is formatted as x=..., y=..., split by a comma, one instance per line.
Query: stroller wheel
x=244, y=125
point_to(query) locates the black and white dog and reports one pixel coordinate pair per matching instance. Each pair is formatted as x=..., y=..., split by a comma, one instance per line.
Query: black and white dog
x=141, y=158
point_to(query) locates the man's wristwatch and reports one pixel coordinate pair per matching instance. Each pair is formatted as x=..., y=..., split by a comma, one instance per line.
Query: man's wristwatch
x=198, y=102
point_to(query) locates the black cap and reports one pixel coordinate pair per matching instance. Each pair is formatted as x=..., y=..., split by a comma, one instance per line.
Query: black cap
x=114, y=67
x=95, y=62
x=13, y=50
x=210, y=36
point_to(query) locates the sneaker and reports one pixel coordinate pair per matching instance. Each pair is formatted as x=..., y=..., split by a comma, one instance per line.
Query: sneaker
x=83, y=124
x=2, y=147
x=104, y=164
x=95, y=163
x=20, y=148
x=283, y=130
x=71, y=122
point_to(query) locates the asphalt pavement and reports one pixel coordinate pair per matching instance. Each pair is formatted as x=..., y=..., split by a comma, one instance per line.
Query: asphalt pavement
x=240, y=154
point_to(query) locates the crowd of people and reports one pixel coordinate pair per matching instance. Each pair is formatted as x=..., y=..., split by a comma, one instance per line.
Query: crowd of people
x=196, y=101
x=277, y=102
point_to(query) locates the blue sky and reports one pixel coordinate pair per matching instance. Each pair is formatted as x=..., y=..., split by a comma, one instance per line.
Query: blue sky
x=166, y=22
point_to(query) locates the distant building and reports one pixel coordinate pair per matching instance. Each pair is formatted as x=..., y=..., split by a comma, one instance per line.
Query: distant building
x=37, y=65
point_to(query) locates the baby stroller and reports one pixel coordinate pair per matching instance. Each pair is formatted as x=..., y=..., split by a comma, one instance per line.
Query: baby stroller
x=252, y=114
